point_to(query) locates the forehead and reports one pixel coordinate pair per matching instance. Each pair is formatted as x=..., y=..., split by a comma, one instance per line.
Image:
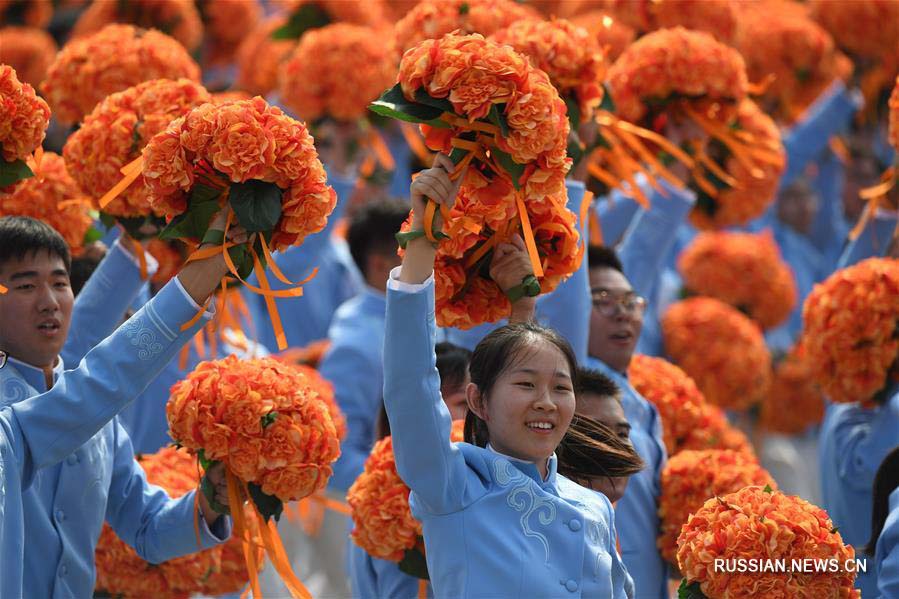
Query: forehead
x=606, y=409
x=43, y=262
x=609, y=279
x=542, y=356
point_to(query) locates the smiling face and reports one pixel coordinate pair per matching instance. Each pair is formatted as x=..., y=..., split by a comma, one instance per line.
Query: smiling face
x=36, y=311
x=613, y=338
x=530, y=405
x=607, y=409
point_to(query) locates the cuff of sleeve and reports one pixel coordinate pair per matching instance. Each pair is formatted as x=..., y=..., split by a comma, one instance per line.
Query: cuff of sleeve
x=220, y=531
x=152, y=263
x=209, y=313
x=394, y=283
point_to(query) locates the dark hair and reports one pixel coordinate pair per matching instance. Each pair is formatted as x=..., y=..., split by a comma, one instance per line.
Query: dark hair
x=601, y=256
x=495, y=353
x=885, y=482
x=452, y=364
x=591, y=449
x=372, y=229
x=21, y=236
x=82, y=269
x=596, y=383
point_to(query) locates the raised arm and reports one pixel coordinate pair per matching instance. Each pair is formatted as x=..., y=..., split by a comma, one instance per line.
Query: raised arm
x=873, y=240
x=863, y=438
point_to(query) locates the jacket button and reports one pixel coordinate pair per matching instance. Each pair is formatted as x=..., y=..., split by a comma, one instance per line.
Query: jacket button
x=571, y=585
x=574, y=525
x=72, y=460
x=60, y=515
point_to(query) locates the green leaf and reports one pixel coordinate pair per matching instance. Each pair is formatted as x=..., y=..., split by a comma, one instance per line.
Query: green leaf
x=13, y=172
x=514, y=169
x=607, y=104
x=108, y=221
x=575, y=150
x=415, y=564
x=268, y=505
x=242, y=259
x=194, y=222
x=393, y=104
x=464, y=8
x=91, y=236
x=269, y=419
x=423, y=97
x=768, y=489
x=834, y=530
x=497, y=116
x=690, y=591
x=574, y=112
x=803, y=74
x=256, y=204
x=308, y=16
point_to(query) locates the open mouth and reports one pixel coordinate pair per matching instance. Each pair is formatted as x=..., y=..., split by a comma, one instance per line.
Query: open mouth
x=622, y=337
x=49, y=327
x=541, y=426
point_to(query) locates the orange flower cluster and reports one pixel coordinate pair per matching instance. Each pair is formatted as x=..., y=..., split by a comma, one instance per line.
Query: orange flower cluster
x=717, y=17
x=612, y=35
x=230, y=96
x=36, y=13
x=27, y=50
x=721, y=349
x=87, y=70
x=432, y=19
x=795, y=401
x=337, y=71
x=227, y=22
x=744, y=270
x=259, y=56
x=383, y=524
x=243, y=141
x=177, y=18
x=370, y=13
x=475, y=75
x=759, y=524
x=864, y=28
x=798, y=52
x=692, y=477
x=718, y=433
x=325, y=390
x=850, y=329
x=753, y=189
x=52, y=197
x=24, y=118
x=571, y=57
x=263, y=419
x=672, y=64
x=116, y=131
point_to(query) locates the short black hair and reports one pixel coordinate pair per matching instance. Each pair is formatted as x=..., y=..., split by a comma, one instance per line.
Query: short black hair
x=596, y=383
x=82, y=269
x=452, y=362
x=601, y=256
x=373, y=227
x=21, y=236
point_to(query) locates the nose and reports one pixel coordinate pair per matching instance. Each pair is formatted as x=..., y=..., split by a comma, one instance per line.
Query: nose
x=47, y=302
x=544, y=401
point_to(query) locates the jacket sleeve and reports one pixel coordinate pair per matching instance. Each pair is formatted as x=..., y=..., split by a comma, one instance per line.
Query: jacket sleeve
x=144, y=516
x=101, y=305
x=109, y=377
x=862, y=439
x=426, y=460
x=873, y=240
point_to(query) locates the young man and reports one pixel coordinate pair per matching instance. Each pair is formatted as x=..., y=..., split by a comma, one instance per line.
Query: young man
x=50, y=416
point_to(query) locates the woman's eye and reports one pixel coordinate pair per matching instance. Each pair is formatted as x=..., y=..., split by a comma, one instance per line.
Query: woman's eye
x=563, y=388
x=527, y=384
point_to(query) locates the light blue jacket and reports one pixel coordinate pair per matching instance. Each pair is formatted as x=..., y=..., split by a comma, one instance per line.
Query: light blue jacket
x=372, y=578
x=854, y=441
x=307, y=318
x=353, y=364
x=886, y=556
x=40, y=431
x=873, y=241
x=492, y=526
x=566, y=309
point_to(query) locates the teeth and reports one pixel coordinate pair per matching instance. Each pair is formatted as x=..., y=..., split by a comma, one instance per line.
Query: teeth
x=541, y=425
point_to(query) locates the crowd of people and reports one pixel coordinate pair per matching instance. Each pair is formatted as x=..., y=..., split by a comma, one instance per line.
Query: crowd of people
x=449, y=298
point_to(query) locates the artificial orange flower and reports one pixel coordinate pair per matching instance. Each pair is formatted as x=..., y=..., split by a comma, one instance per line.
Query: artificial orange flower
x=721, y=349
x=259, y=56
x=52, y=197
x=325, y=390
x=118, y=129
x=115, y=58
x=370, y=14
x=226, y=24
x=863, y=28
x=177, y=18
x=745, y=270
x=24, y=118
x=850, y=324
x=29, y=51
x=757, y=523
x=894, y=115
x=717, y=17
x=692, y=477
x=795, y=401
x=263, y=419
x=337, y=71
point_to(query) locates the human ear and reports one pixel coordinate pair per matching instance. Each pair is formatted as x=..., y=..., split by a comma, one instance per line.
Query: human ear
x=475, y=401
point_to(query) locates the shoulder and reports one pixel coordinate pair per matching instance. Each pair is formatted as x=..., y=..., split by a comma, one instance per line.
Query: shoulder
x=585, y=498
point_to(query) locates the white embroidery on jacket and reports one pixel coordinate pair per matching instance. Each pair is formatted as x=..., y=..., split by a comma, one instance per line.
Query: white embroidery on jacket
x=143, y=338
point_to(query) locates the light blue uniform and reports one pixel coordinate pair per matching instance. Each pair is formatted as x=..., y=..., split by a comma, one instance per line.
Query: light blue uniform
x=873, y=241
x=40, y=431
x=493, y=527
x=566, y=309
x=307, y=318
x=372, y=578
x=854, y=441
x=886, y=555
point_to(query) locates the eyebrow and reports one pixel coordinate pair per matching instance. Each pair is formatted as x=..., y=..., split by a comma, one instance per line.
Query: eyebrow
x=558, y=373
x=609, y=290
x=25, y=274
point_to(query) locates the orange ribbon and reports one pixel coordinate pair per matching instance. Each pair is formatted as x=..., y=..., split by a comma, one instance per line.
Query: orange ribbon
x=131, y=172
x=415, y=142
x=3, y=290
x=377, y=144
x=241, y=531
x=422, y=588
x=873, y=195
x=528, y=235
x=38, y=157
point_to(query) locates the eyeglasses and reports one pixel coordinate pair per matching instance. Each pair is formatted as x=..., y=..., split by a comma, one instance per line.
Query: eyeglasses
x=606, y=304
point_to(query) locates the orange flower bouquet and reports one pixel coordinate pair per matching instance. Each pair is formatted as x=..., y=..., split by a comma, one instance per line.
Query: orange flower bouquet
x=851, y=330
x=27, y=50
x=54, y=198
x=114, y=134
x=23, y=124
x=795, y=401
x=226, y=23
x=718, y=433
x=177, y=18
x=117, y=57
x=306, y=15
x=721, y=349
x=269, y=427
x=744, y=270
x=692, y=477
x=492, y=111
x=123, y=573
x=383, y=524
x=259, y=56
x=717, y=17
x=432, y=19
x=612, y=35
x=758, y=523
